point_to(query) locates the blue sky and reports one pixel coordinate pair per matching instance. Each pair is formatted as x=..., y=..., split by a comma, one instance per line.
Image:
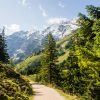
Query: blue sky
x=25, y=14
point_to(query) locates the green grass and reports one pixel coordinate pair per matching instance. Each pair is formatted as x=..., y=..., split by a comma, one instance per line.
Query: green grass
x=67, y=96
x=61, y=44
x=63, y=57
x=27, y=62
x=66, y=38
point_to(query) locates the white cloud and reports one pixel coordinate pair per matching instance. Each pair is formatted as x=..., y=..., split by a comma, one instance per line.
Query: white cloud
x=12, y=28
x=43, y=11
x=24, y=2
x=57, y=20
x=60, y=4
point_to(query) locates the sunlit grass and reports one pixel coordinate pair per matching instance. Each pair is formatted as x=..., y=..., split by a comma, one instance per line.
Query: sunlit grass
x=67, y=96
x=63, y=57
x=27, y=62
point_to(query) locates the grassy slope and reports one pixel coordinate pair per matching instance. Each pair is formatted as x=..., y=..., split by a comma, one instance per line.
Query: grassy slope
x=61, y=44
x=12, y=85
x=68, y=96
x=64, y=40
x=27, y=62
x=63, y=57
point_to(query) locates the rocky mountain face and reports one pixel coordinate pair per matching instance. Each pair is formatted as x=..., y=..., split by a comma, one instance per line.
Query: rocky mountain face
x=24, y=43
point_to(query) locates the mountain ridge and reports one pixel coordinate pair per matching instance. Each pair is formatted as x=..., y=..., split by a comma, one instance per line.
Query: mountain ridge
x=24, y=43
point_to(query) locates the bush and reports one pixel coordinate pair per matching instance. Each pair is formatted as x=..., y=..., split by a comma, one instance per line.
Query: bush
x=12, y=85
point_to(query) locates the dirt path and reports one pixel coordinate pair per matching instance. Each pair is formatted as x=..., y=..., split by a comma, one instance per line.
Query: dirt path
x=45, y=93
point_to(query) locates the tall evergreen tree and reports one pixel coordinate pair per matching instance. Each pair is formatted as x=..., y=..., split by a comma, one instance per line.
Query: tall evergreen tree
x=4, y=57
x=84, y=59
x=88, y=52
x=49, y=70
x=93, y=12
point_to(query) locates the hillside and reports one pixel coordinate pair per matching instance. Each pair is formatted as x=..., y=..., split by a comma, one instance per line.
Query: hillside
x=29, y=65
x=63, y=46
x=12, y=85
x=32, y=64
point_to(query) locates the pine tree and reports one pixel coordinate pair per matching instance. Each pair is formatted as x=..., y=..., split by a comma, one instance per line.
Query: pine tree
x=83, y=74
x=88, y=50
x=93, y=12
x=49, y=70
x=4, y=57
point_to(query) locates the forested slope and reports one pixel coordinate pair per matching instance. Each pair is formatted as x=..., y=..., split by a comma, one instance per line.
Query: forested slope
x=32, y=64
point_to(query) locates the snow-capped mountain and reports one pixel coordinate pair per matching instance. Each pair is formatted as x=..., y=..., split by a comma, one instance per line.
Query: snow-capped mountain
x=23, y=43
x=62, y=29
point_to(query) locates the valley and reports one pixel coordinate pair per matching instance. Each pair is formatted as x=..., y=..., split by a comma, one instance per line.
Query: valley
x=60, y=61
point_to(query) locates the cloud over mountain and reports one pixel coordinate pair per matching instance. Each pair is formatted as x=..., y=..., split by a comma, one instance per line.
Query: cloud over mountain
x=12, y=28
x=57, y=20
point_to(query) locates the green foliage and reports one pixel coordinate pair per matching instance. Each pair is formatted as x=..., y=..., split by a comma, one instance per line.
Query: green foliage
x=29, y=66
x=60, y=52
x=93, y=12
x=33, y=68
x=63, y=40
x=80, y=73
x=49, y=71
x=4, y=57
x=96, y=30
x=12, y=85
x=83, y=72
